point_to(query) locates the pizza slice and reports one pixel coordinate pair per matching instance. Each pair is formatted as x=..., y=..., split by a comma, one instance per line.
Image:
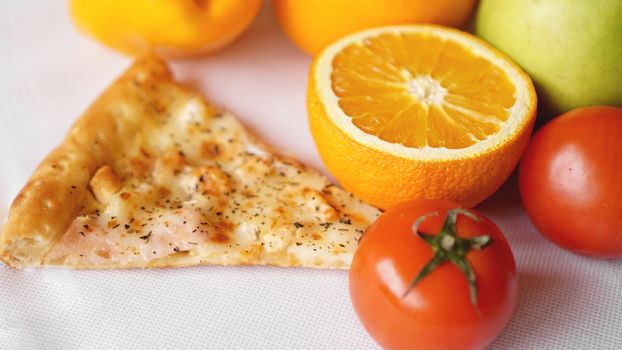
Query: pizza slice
x=153, y=176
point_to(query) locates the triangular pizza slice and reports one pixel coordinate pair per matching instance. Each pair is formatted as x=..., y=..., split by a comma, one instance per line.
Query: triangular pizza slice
x=153, y=176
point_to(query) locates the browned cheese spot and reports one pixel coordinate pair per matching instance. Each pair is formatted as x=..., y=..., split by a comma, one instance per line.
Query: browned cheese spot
x=141, y=166
x=210, y=150
x=103, y=253
x=144, y=153
x=221, y=232
x=163, y=192
x=248, y=193
x=212, y=180
x=174, y=160
x=253, y=252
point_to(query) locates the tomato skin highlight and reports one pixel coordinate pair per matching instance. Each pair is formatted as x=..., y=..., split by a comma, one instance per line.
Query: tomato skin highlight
x=437, y=313
x=570, y=181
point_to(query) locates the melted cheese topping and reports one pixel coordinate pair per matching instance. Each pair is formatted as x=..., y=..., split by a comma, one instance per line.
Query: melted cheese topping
x=196, y=188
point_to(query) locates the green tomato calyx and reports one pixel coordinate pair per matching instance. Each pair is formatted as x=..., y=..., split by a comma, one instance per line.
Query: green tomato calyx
x=449, y=247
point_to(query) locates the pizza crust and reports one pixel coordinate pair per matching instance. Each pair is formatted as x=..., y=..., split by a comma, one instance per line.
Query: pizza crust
x=98, y=168
x=56, y=191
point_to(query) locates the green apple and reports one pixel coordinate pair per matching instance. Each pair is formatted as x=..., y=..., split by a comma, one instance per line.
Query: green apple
x=572, y=49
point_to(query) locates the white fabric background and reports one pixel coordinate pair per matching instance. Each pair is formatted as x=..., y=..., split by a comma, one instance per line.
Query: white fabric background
x=49, y=74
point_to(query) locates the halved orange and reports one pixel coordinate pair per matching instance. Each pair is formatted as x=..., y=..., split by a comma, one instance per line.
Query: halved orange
x=419, y=111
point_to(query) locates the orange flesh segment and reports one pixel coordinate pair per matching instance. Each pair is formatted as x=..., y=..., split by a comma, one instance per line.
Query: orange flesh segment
x=419, y=90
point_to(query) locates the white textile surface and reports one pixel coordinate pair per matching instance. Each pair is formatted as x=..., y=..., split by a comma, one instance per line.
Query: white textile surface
x=49, y=74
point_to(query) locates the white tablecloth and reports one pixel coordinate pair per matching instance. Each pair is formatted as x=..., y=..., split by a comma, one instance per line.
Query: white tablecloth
x=49, y=74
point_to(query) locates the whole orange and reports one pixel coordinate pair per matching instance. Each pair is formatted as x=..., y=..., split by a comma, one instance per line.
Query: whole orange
x=314, y=24
x=171, y=28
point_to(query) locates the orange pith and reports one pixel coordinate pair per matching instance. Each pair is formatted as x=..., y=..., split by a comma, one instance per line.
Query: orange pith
x=405, y=89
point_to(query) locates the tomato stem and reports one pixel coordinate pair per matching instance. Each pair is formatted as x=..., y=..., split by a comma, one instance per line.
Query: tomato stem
x=449, y=247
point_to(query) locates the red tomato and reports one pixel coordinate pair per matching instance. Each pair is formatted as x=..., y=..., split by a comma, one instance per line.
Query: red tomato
x=571, y=181
x=439, y=311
